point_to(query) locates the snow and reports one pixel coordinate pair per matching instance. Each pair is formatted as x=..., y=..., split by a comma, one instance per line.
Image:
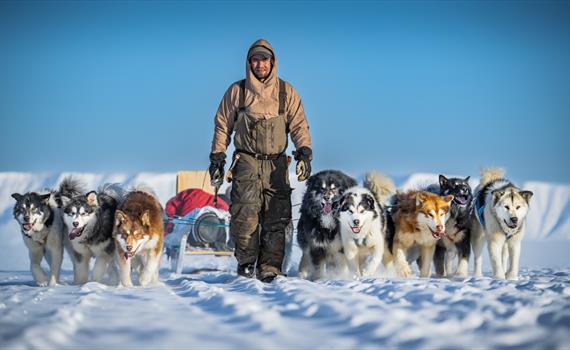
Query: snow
x=208, y=306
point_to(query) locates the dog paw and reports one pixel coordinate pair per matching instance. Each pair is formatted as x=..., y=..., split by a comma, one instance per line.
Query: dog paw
x=145, y=281
x=512, y=277
x=404, y=270
x=369, y=270
x=52, y=282
x=42, y=283
x=499, y=276
x=127, y=284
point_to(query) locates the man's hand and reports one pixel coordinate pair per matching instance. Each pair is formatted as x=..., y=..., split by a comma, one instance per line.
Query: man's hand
x=216, y=169
x=303, y=156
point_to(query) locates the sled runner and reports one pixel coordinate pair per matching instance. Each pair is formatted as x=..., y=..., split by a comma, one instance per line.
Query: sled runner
x=196, y=224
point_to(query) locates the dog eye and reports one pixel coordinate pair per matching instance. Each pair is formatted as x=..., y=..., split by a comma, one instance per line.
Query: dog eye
x=518, y=207
x=507, y=207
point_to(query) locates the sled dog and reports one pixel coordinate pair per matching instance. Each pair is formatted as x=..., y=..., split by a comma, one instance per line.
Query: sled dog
x=39, y=215
x=317, y=229
x=89, y=219
x=457, y=240
x=419, y=222
x=500, y=211
x=139, y=232
x=362, y=223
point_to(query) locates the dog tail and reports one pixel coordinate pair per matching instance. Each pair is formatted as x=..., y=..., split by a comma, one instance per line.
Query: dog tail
x=70, y=187
x=491, y=174
x=113, y=190
x=145, y=189
x=380, y=185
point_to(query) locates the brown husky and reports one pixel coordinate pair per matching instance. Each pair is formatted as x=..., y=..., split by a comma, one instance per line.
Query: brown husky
x=419, y=219
x=139, y=234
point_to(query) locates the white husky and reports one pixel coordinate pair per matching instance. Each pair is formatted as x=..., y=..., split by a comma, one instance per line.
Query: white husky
x=500, y=210
x=362, y=220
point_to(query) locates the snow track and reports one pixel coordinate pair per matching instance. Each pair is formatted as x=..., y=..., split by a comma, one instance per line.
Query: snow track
x=217, y=309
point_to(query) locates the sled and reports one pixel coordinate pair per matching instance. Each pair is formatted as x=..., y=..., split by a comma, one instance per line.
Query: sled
x=202, y=231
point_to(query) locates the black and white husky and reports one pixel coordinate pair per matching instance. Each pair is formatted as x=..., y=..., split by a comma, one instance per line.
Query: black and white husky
x=500, y=211
x=362, y=222
x=317, y=229
x=40, y=217
x=89, y=219
x=457, y=238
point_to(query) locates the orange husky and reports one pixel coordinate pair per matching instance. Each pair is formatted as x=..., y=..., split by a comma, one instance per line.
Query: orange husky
x=139, y=233
x=419, y=219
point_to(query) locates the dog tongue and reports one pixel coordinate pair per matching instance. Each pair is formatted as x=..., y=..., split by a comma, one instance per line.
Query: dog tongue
x=327, y=208
x=27, y=227
x=461, y=199
x=74, y=233
x=356, y=229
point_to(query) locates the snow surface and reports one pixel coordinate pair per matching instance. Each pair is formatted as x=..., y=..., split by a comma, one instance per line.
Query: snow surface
x=208, y=306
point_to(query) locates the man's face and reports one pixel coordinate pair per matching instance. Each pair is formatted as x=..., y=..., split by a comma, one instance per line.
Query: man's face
x=260, y=66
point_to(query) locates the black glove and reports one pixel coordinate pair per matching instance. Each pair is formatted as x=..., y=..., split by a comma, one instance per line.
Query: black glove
x=217, y=162
x=303, y=156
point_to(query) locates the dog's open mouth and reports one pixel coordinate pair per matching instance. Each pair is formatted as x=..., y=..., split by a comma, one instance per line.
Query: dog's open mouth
x=74, y=233
x=511, y=225
x=129, y=255
x=355, y=229
x=327, y=208
x=437, y=234
x=461, y=200
x=28, y=226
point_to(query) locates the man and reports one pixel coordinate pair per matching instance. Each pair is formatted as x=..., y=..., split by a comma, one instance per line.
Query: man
x=261, y=109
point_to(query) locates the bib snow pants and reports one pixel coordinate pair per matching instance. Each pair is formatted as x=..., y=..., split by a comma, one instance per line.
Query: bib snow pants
x=261, y=194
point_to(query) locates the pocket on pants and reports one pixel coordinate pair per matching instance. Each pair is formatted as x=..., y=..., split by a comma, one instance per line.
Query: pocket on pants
x=246, y=191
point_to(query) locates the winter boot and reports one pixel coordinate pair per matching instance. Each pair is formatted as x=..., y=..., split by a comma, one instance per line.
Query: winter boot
x=246, y=270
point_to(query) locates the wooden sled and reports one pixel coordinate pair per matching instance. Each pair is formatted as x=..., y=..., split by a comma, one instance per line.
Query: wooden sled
x=186, y=180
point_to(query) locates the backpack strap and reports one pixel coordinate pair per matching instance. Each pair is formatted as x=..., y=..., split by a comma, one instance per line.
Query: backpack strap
x=282, y=96
x=241, y=94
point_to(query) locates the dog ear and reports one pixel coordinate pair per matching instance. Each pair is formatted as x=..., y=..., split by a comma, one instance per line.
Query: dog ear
x=420, y=198
x=442, y=181
x=120, y=218
x=92, y=199
x=497, y=194
x=64, y=200
x=527, y=195
x=145, y=218
x=18, y=197
x=45, y=198
x=467, y=179
x=448, y=198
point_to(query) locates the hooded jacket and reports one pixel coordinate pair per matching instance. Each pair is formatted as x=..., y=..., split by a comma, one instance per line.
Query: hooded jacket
x=262, y=101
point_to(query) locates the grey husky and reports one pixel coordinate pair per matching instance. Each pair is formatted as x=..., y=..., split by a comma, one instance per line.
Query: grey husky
x=90, y=218
x=40, y=217
x=500, y=211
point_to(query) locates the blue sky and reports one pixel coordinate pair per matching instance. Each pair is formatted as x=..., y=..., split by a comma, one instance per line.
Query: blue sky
x=401, y=87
